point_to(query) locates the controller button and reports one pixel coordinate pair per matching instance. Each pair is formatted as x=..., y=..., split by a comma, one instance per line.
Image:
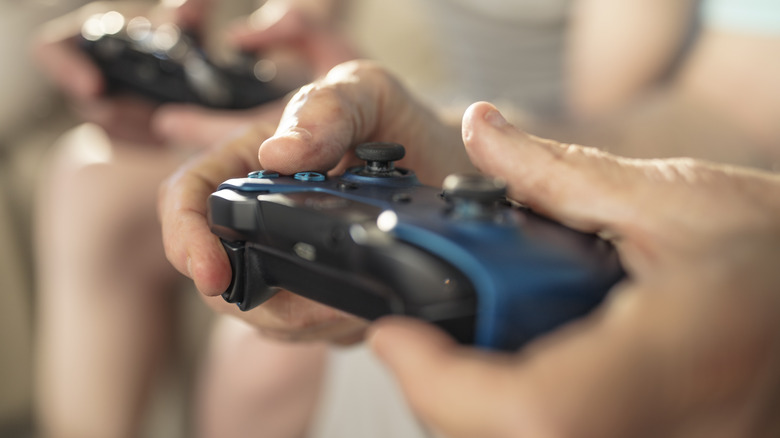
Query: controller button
x=309, y=176
x=337, y=235
x=380, y=151
x=474, y=187
x=344, y=186
x=305, y=251
x=402, y=198
x=263, y=174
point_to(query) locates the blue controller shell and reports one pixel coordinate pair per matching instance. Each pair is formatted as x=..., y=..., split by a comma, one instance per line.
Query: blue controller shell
x=531, y=274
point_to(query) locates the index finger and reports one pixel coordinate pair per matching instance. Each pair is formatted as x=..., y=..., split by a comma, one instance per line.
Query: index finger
x=189, y=244
x=357, y=101
x=323, y=120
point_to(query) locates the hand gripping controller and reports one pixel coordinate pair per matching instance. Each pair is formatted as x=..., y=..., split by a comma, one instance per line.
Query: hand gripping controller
x=165, y=64
x=375, y=242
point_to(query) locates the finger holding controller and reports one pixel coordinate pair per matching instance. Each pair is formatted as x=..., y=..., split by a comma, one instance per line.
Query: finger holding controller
x=687, y=345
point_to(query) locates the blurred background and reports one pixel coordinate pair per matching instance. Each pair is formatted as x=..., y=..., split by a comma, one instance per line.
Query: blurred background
x=33, y=115
x=714, y=95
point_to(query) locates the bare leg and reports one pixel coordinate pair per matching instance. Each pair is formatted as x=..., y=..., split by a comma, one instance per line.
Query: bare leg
x=105, y=301
x=253, y=386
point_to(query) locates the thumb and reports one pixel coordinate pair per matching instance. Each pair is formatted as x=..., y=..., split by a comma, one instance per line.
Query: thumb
x=435, y=373
x=324, y=119
x=582, y=187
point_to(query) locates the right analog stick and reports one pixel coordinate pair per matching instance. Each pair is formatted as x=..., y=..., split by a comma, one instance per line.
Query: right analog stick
x=379, y=158
x=470, y=187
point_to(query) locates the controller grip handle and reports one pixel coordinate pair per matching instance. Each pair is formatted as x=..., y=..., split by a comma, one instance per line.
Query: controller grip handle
x=246, y=271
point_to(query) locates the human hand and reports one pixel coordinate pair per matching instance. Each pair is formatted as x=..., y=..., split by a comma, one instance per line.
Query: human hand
x=356, y=102
x=56, y=50
x=302, y=33
x=278, y=29
x=197, y=253
x=688, y=345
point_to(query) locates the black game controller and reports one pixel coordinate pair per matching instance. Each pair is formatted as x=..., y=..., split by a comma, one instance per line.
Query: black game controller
x=165, y=64
x=375, y=242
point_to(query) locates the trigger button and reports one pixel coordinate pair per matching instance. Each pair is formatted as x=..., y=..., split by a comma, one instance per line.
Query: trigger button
x=235, y=253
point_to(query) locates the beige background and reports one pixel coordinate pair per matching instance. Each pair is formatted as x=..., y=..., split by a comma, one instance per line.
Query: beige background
x=32, y=116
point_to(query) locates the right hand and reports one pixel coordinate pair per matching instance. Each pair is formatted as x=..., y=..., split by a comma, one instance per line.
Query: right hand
x=307, y=30
x=687, y=345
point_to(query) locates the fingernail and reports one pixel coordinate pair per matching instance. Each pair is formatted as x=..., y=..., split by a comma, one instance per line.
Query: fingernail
x=495, y=119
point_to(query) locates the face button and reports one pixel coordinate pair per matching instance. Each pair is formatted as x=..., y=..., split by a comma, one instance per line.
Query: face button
x=346, y=186
x=263, y=174
x=402, y=198
x=309, y=176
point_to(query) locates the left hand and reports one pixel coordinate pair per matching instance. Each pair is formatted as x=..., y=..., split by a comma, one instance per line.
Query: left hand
x=198, y=254
x=355, y=102
x=306, y=30
x=688, y=346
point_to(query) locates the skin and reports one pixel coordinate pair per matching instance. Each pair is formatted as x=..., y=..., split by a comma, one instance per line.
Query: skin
x=106, y=323
x=107, y=305
x=617, y=51
x=128, y=118
x=640, y=63
x=54, y=49
x=687, y=346
x=253, y=385
x=309, y=28
x=318, y=129
x=105, y=326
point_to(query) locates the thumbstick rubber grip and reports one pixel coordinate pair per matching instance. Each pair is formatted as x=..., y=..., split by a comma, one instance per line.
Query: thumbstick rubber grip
x=473, y=187
x=380, y=151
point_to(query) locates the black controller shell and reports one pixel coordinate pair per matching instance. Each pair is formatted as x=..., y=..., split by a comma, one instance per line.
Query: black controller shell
x=495, y=282
x=180, y=72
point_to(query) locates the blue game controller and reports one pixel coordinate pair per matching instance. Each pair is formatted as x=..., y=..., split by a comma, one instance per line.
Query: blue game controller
x=375, y=242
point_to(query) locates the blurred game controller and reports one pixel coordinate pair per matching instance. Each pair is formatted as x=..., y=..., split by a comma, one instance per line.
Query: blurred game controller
x=375, y=242
x=165, y=64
